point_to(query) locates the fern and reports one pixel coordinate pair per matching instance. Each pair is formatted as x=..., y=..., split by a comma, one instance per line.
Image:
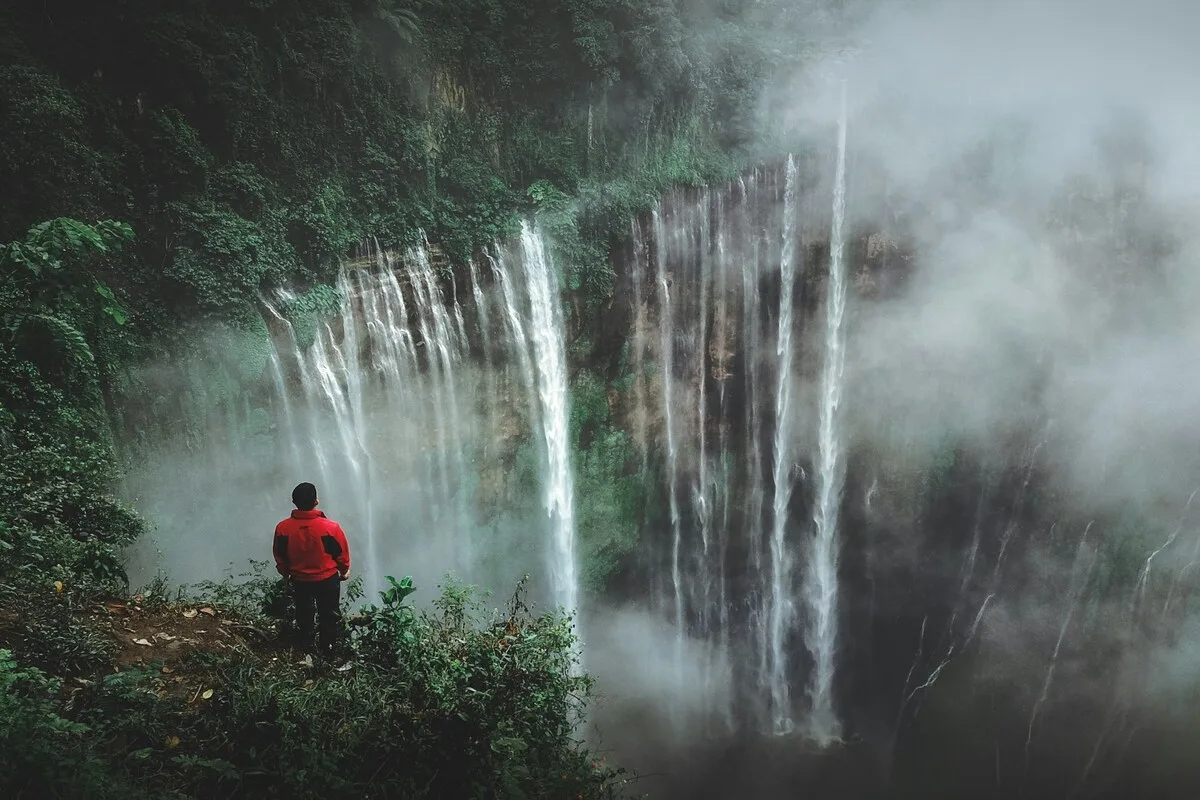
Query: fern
x=47, y=242
x=69, y=339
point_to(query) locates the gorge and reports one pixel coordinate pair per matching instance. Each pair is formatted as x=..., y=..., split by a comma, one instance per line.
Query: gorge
x=826, y=560
x=831, y=363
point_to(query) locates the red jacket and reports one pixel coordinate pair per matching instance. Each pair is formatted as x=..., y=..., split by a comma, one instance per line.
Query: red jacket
x=310, y=547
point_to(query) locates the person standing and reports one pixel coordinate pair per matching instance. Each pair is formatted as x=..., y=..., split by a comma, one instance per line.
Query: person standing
x=311, y=551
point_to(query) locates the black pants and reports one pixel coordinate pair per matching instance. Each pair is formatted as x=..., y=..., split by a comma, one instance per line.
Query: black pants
x=324, y=598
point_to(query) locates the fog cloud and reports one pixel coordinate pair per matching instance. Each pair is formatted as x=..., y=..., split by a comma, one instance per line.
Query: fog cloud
x=1043, y=160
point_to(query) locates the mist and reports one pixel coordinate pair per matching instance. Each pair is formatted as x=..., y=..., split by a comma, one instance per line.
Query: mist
x=1040, y=159
x=1037, y=161
x=1029, y=172
x=1021, y=418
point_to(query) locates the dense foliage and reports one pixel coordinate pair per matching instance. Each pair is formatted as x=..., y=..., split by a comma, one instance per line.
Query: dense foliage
x=449, y=703
x=256, y=144
x=452, y=703
x=250, y=144
x=61, y=532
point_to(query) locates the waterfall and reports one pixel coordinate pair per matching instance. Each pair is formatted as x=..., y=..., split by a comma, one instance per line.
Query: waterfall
x=821, y=586
x=666, y=327
x=743, y=579
x=286, y=418
x=722, y=573
x=549, y=355
x=390, y=415
x=439, y=432
x=781, y=603
x=754, y=480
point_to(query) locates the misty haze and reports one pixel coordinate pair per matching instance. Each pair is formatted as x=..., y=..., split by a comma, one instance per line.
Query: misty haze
x=832, y=364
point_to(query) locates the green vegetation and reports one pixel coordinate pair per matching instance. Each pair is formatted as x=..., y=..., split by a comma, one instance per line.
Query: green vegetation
x=250, y=145
x=60, y=341
x=451, y=703
x=257, y=144
x=611, y=492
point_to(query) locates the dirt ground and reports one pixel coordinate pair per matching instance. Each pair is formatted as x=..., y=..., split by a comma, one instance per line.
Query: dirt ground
x=164, y=639
x=167, y=635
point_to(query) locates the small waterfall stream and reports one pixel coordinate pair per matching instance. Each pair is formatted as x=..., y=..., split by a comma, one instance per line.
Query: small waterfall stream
x=548, y=354
x=821, y=585
x=402, y=425
x=781, y=608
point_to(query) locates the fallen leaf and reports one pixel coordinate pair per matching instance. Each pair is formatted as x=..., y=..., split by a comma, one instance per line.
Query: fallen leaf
x=166, y=637
x=191, y=612
x=171, y=742
x=58, y=586
x=207, y=694
x=142, y=642
x=209, y=611
x=167, y=670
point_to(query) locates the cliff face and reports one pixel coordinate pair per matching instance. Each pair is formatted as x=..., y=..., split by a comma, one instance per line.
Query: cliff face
x=975, y=589
x=989, y=608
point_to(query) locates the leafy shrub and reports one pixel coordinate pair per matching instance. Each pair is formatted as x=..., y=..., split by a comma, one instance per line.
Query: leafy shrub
x=60, y=515
x=50, y=633
x=450, y=702
x=479, y=706
x=42, y=753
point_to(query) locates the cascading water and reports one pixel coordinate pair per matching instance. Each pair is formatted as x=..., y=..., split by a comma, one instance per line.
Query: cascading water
x=721, y=312
x=351, y=375
x=438, y=432
x=548, y=354
x=667, y=327
x=725, y=556
x=821, y=585
x=780, y=610
x=404, y=429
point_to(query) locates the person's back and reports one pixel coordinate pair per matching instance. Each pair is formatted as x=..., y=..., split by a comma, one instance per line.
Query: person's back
x=311, y=550
x=310, y=546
